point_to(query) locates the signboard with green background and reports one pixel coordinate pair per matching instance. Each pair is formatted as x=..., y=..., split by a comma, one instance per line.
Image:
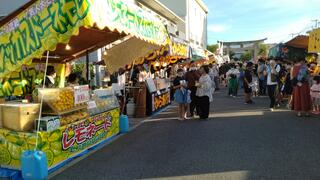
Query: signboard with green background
x=48, y=22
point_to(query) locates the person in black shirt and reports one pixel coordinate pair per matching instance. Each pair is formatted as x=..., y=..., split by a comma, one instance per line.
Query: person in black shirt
x=247, y=83
x=50, y=77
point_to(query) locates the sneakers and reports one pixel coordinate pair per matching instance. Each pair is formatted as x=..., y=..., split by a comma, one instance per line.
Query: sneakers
x=271, y=109
x=250, y=102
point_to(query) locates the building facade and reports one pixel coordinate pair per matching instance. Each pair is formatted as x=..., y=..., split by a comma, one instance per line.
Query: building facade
x=194, y=29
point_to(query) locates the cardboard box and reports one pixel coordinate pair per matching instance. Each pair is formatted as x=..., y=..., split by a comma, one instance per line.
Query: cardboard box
x=48, y=123
x=19, y=116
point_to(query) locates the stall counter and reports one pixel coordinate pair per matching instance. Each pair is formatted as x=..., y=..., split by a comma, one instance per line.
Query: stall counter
x=60, y=144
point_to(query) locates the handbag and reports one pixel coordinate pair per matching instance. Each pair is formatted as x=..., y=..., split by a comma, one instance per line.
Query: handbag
x=273, y=78
x=294, y=81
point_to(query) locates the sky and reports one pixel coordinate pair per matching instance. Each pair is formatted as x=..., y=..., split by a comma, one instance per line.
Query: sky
x=240, y=20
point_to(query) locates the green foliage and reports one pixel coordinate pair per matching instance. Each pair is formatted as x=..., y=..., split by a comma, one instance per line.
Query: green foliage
x=263, y=50
x=246, y=56
x=231, y=54
x=213, y=47
x=80, y=68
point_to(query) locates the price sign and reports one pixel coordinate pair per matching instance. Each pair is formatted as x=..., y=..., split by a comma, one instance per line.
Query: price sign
x=81, y=94
x=91, y=104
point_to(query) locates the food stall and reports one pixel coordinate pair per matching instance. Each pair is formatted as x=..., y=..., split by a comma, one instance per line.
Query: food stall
x=158, y=95
x=72, y=120
x=296, y=48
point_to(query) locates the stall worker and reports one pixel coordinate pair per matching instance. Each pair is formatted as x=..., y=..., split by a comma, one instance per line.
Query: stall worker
x=50, y=77
x=73, y=80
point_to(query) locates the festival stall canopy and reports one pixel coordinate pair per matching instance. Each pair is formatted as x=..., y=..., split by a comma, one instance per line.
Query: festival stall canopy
x=126, y=52
x=314, y=41
x=141, y=53
x=300, y=41
x=287, y=52
x=198, y=53
x=71, y=28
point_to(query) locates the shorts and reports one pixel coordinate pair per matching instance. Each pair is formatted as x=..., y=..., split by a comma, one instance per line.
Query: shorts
x=181, y=96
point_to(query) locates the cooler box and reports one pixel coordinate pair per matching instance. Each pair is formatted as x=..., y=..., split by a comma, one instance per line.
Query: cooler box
x=19, y=116
x=34, y=165
x=47, y=124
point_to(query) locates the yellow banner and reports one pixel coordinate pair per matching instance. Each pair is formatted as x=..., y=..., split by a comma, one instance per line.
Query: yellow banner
x=61, y=144
x=314, y=41
x=48, y=22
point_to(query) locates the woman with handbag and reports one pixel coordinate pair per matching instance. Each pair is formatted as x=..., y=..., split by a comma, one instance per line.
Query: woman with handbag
x=272, y=83
x=204, y=92
x=301, y=102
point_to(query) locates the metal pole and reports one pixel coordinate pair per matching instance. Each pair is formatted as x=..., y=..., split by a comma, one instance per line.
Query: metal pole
x=41, y=101
x=87, y=67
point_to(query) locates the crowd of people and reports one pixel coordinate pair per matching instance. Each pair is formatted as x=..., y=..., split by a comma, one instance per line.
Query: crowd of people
x=293, y=84
x=194, y=90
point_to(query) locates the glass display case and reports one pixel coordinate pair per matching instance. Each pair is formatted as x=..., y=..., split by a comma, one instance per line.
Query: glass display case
x=58, y=101
x=102, y=100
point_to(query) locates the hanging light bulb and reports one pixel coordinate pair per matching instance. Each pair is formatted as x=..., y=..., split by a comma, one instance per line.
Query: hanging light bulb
x=164, y=64
x=68, y=47
x=157, y=64
x=104, y=51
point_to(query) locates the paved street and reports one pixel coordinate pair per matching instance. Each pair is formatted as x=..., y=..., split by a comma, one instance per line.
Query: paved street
x=239, y=142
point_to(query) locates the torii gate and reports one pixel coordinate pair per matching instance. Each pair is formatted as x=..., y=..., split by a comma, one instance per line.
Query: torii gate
x=242, y=46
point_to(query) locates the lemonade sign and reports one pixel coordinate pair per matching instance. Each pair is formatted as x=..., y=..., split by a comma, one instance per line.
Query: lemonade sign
x=60, y=144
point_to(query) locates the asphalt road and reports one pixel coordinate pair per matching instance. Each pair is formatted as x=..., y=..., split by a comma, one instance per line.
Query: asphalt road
x=239, y=142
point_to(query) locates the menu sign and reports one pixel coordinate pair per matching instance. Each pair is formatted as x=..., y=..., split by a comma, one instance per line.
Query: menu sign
x=81, y=94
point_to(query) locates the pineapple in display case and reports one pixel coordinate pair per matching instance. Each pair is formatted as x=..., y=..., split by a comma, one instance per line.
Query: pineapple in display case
x=58, y=99
x=73, y=117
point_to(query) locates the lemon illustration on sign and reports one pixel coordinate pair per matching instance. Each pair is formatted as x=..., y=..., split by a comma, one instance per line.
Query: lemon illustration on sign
x=5, y=157
x=2, y=139
x=62, y=157
x=56, y=147
x=54, y=135
x=50, y=156
x=13, y=137
x=45, y=146
x=31, y=141
x=15, y=150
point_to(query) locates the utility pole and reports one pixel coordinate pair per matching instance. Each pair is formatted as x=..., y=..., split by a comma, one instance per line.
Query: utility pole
x=316, y=23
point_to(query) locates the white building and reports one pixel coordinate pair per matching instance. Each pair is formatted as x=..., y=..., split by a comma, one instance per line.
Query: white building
x=8, y=7
x=194, y=13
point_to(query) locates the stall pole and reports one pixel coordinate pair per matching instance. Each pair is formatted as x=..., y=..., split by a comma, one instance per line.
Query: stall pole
x=87, y=68
x=34, y=163
x=124, y=120
x=41, y=100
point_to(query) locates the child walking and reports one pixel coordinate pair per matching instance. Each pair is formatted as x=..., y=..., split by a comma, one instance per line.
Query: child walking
x=315, y=95
x=181, y=94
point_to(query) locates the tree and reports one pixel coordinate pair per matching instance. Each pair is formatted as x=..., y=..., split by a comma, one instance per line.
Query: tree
x=246, y=56
x=213, y=47
x=231, y=54
x=263, y=50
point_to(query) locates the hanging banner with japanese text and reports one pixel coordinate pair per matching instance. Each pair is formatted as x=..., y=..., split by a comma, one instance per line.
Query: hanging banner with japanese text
x=46, y=23
x=314, y=41
x=60, y=144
